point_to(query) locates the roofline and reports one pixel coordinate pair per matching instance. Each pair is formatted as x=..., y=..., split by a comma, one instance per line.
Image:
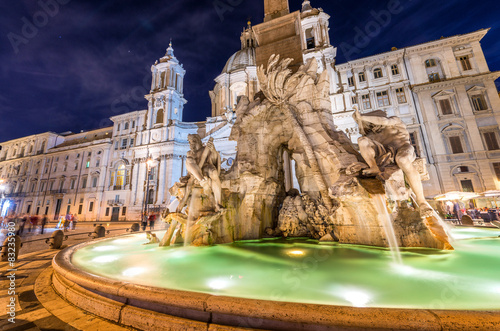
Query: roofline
x=480, y=33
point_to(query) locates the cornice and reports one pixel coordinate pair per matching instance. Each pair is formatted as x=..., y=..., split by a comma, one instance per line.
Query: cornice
x=455, y=81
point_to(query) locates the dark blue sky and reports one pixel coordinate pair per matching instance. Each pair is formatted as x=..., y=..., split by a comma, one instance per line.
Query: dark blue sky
x=90, y=60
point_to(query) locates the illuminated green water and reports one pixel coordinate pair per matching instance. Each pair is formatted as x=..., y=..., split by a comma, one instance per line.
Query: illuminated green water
x=304, y=271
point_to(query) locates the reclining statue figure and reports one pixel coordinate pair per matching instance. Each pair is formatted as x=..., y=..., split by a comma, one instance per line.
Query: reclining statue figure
x=386, y=140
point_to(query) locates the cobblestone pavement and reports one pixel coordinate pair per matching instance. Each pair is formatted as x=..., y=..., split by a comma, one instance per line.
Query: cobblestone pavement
x=37, y=305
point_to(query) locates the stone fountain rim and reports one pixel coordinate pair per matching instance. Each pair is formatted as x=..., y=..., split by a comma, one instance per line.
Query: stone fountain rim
x=270, y=313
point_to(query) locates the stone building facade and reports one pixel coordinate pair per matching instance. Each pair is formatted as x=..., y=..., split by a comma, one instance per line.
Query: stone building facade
x=443, y=90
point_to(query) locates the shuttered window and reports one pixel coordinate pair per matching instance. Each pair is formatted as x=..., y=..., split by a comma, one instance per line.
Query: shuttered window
x=445, y=106
x=496, y=167
x=456, y=145
x=491, y=141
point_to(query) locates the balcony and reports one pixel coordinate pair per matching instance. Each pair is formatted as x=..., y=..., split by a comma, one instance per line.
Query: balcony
x=118, y=187
x=116, y=202
x=56, y=192
x=16, y=195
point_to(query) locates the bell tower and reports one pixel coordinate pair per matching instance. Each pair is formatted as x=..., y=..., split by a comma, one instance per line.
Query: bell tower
x=275, y=8
x=166, y=99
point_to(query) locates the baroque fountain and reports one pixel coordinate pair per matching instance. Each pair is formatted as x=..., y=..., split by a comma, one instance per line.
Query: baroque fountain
x=246, y=249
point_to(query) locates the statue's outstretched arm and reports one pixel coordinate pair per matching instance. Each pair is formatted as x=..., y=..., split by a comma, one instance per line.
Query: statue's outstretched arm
x=382, y=121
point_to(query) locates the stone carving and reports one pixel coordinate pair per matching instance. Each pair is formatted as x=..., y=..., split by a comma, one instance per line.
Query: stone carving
x=289, y=121
x=153, y=239
x=386, y=148
x=199, y=196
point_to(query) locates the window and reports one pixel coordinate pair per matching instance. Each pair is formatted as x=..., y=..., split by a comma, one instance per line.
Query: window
x=377, y=73
x=118, y=127
x=126, y=126
x=445, y=106
x=365, y=99
x=430, y=63
x=465, y=62
x=124, y=143
x=383, y=99
x=124, y=211
x=76, y=165
x=151, y=197
x=491, y=141
x=88, y=164
x=133, y=124
x=434, y=77
x=42, y=186
x=131, y=142
x=107, y=211
x=361, y=76
x=67, y=157
x=467, y=185
x=395, y=69
x=116, y=145
x=456, y=145
x=414, y=143
x=78, y=155
x=354, y=100
x=98, y=162
x=80, y=209
x=159, y=117
x=350, y=81
x=91, y=206
x=311, y=43
x=479, y=102
x=120, y=179
x=94, y=182
x=84, y=182
x=72, y=184
x=496, y=168
x=55, y=167
x=400, y=94
x=463, y=169
x=65, y=167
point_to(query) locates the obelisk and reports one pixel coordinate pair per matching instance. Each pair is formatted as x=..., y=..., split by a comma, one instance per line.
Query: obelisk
x=275, y=8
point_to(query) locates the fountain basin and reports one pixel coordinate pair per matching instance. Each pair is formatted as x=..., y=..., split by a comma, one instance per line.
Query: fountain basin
x=273, y=279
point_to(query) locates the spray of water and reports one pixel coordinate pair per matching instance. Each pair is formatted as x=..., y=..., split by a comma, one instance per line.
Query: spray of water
x=386, y=220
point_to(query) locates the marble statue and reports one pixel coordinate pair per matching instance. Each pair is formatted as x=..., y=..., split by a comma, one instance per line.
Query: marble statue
x=386, y=140
x=203, y=164
x=198, y=197
x=153, y=239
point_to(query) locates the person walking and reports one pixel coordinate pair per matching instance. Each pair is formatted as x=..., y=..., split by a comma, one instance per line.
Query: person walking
x=75, y=220
x=22, y=223
x=43, y=223
x=66, y=222
x=144, y=221
x=152, y=219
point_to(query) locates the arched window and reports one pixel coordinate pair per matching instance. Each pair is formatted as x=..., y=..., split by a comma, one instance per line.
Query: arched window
x=126, y=126
x=377, y=73
x=159, y=117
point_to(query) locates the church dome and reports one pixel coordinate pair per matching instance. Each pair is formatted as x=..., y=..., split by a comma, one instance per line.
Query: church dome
x=240, y=60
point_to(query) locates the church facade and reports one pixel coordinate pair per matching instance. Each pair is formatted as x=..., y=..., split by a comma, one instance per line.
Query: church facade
x=443, y=90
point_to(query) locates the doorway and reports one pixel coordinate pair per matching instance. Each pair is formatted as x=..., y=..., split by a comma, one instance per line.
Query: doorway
x=115, y=214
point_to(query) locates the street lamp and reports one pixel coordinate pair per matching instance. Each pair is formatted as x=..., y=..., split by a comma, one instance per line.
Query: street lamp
x=149, y=164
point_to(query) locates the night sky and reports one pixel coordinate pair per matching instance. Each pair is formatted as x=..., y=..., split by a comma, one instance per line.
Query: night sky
x=89, y=60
